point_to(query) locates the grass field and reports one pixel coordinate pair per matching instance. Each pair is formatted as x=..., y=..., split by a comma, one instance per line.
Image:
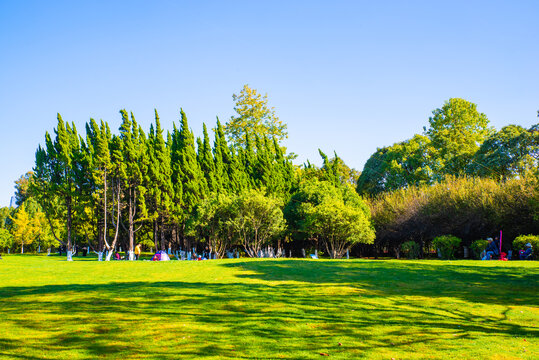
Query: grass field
x=268, y=309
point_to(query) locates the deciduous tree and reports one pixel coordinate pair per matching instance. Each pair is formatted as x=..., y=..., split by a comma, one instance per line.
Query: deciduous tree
x=253, y=118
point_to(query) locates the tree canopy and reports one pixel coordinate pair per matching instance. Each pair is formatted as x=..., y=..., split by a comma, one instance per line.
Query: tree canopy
x=253, y=118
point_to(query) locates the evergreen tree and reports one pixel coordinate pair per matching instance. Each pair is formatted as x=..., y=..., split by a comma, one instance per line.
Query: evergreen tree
x=220, y=156
x=135, y=169
x=160, y=189
x=187, y=171
x=98, y=139
x=206, y=162
x=55, y=178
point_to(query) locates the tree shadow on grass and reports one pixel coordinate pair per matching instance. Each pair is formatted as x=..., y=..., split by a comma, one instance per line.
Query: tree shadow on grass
x=297, y=319
x=515, y=285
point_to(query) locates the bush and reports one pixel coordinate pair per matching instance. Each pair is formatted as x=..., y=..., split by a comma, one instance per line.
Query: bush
x=147, y=244
x=447, y=244
x=411, y=249
x=520, y=243
x=477, y=247
x=6, y=239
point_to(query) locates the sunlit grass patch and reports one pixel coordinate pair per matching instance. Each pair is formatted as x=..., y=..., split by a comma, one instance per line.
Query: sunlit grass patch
x=287, y=308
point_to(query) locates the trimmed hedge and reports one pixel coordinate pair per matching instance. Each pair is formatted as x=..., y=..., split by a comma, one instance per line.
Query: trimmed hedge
x=520, y=243
x=447, y=245
x=477, y=247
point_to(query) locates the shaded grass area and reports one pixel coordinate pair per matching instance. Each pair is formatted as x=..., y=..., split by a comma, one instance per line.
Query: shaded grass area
x=290, y=309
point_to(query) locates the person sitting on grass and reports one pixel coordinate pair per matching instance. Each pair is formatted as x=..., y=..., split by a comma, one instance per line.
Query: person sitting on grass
x=491, y=250
x=526, y=254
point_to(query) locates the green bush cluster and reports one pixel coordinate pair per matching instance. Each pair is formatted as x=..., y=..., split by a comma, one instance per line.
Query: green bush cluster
x=447, y=245
x=477, y=247
x=520, y=242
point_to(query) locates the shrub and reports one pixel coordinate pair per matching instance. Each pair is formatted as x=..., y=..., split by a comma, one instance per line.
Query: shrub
x=447, y=244
x=6, y=239
x=520, y=243
x=411, y=249
x=477, y=247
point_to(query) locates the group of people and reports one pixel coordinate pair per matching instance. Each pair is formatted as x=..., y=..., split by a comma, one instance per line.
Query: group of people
x=493, y=252
x=138, y=248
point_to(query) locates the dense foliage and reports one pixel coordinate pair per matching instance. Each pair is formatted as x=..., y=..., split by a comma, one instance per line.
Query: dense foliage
x=469, y=208
x=109, y=190
x=458, y=142
x=446, y=245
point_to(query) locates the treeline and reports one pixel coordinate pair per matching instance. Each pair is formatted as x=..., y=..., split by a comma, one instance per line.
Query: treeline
x=239, y=189
x=459, y=142
x=168, y=190
x=459, y=177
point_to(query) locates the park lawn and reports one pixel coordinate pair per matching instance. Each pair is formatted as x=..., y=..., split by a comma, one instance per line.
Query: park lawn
x=269, y=309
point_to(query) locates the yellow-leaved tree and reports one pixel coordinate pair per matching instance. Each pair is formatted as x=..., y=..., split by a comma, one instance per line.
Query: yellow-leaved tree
x=30, y=227
x=254, y=118
x=25, y=229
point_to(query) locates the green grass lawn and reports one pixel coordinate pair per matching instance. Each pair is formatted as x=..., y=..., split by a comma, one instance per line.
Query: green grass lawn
x=269, y=309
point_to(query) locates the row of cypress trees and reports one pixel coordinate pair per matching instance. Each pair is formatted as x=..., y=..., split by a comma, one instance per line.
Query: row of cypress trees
x=110, y=186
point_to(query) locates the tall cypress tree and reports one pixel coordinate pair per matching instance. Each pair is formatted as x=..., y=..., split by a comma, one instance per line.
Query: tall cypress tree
x=206, y=162
x=160, y=189
x=98, y=140
x=221, y=159
x=135, y=162
x=187, y=170
x=55, y=172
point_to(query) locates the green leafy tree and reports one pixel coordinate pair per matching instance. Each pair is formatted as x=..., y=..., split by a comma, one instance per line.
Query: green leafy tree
x=215, y=218
x=257, y=220
x=510, y=152
x=253, y=118
x=401, y=165
x=22, y=186
x=456, y=131
x=5, y=220
x=333, y=215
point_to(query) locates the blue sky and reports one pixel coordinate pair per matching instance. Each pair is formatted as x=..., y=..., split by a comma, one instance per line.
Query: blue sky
x=348, y=76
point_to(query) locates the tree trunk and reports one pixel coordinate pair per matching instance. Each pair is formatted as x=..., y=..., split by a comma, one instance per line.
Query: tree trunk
x=131, y=220
x=104, y=241
x=162, y=233
x=117, y=224
x=69, y=210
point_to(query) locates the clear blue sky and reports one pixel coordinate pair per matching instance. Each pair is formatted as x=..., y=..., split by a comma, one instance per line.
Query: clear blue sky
x=348, y=76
